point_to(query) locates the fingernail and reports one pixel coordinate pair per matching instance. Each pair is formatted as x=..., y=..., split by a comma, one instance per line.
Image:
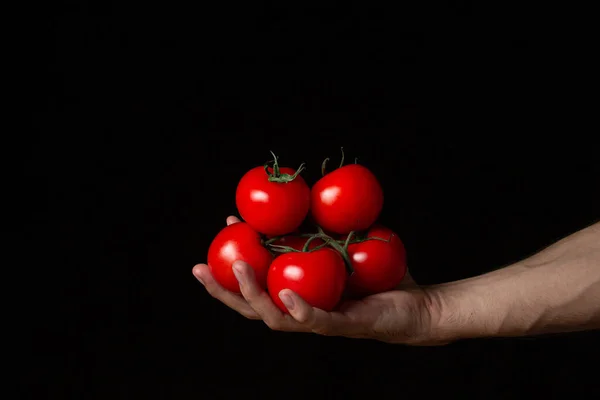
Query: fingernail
x=287, y=301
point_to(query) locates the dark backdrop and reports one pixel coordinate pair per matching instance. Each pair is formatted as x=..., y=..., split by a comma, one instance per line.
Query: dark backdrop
x=146, y=116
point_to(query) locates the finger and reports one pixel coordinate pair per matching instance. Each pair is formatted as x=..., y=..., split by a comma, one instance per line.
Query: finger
x=261, y=302
x=232, y=220
x=407, y=281
x=315, y=319
x=231, y=300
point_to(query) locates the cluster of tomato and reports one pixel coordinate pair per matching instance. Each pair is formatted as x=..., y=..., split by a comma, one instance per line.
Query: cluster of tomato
x=348, y=254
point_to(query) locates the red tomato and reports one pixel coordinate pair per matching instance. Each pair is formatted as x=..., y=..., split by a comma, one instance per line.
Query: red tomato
x=378, y=266
x=238, y=242
x=297, y=242
x=272, y=207
x=319, y=277
x=347, y=199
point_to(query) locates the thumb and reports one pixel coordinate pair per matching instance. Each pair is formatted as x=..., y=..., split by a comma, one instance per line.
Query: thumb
x=232, y=219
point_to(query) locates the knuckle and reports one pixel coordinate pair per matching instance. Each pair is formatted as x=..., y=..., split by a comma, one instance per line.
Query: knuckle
x=244, y=313
x=212, y=290
x=302, y=317
x=253, y=305
x=249, y=294
x=322, y=330
x=274, y=324
x=249, y=315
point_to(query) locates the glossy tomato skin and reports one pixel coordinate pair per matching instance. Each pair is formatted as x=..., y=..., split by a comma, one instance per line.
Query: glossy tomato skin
x=238, y=241
x=378, y=266
x=272, y=208
x=319, y=277
x=347, y=199
x=297, y=242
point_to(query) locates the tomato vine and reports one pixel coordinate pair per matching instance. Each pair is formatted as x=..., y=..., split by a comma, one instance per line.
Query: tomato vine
x=340, y=246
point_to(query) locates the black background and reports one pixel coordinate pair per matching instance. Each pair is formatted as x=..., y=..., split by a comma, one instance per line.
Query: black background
x=146, y=116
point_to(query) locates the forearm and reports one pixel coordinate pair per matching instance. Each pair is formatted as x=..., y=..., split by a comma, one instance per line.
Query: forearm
x=556, y=290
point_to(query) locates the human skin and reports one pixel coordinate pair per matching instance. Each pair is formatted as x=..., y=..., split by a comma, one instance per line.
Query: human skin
x=555, y=290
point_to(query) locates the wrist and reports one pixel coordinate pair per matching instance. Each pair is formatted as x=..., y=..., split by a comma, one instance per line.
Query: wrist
x=430, y=313
x=477, y=307
x=439, y=308
x=465, y=310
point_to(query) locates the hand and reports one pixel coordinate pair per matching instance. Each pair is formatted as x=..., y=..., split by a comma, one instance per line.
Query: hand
x=404, y=315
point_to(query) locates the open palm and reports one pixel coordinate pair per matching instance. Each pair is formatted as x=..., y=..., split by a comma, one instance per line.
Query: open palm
x=399, y=316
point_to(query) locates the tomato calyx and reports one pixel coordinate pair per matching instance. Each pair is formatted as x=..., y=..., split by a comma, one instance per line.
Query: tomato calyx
x=324, y=164
x=279, y=177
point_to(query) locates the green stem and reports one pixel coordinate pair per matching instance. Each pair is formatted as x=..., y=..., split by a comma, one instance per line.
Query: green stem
x=323, y=165
x=344, y=255
x=319, y=247
x=348, y=240
x=272, y=240
x=370, y=238
x=275, y=164
x=355, y=239
x=279, y=177
x=336, y=246
x=305, y=247
x=283, y=249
